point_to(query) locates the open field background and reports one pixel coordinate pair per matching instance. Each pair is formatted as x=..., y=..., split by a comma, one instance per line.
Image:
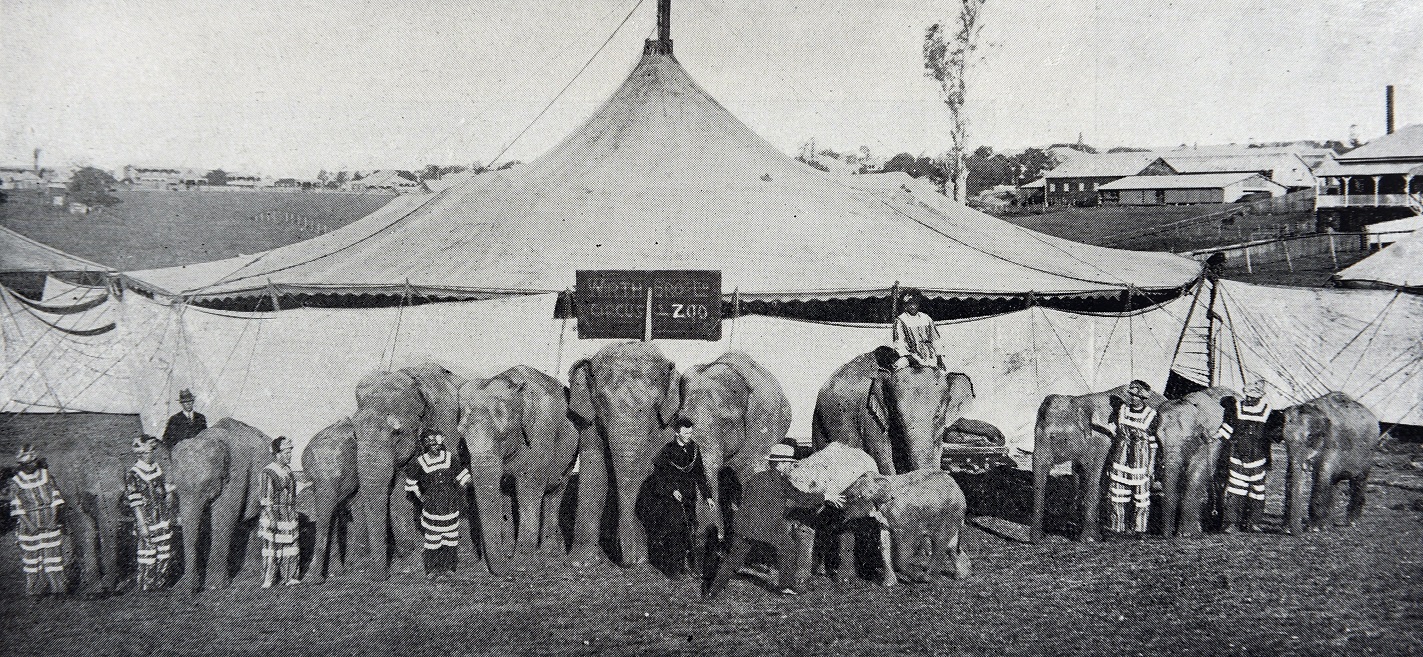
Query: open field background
x=150, y=229
x=1347, y=591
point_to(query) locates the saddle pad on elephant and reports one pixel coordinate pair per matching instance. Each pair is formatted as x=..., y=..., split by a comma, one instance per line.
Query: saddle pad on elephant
x=831, y=470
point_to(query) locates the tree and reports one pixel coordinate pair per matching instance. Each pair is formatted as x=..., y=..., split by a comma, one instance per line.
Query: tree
x=216, y=177
x=90, y=186
x=947, y=59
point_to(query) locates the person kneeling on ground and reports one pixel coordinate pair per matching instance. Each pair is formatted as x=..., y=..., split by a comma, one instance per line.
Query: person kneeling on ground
x=776, y=514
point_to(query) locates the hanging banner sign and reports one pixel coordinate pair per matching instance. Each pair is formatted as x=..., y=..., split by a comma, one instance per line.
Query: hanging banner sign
x=612, y=303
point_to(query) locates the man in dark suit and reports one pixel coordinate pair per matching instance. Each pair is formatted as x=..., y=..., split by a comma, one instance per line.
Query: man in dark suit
x=185, y=424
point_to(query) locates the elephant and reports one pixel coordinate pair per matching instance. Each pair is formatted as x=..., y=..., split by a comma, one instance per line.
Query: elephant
x=516, y=425
x=218, y=476
x=623, y=399
x=919, y=506
x=1329, y=439
x=90, y=478
x=1072, y=429
x=1189, y=450
x=329, y=461
x=897, y=415
x=739, y=411
x=392, y=409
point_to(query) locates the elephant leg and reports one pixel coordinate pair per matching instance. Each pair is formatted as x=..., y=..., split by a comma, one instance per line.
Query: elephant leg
x=939, y=550
x=108, y=535
x=1198, y=482
x=223, y=522
x=1321, y=503
x=406, y=530
x=323, y=517
x=1357, y=485
x=894, y=546
x=1089, y=483
x=372, y=506
x=1170, y=491
x=592, y=494
x=86, y=540
x=551, y=539
x=529, y=492
x=1042, y=467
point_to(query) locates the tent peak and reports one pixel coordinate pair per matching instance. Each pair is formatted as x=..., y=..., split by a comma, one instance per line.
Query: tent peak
x=662, y=45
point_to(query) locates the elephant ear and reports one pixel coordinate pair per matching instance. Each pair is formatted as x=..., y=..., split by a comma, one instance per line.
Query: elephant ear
x=875, y=401
x=671, y=396
x=580, y=392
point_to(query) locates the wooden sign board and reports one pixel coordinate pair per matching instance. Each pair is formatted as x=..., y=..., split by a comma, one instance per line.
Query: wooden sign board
x=612, y=303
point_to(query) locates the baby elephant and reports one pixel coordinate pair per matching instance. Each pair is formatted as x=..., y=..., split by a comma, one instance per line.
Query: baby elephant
x=912, y=508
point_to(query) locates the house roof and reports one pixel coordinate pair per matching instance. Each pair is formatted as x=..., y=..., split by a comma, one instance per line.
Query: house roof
x=1368, y=168
x=662, y=176
x=1102, y=165
x=1185, y=181
x=1404, y=143
x=1286, y=168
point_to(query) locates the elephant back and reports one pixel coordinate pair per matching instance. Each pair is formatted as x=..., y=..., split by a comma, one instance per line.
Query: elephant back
x=842, y=407
x=931, y=492
x=1352, y=426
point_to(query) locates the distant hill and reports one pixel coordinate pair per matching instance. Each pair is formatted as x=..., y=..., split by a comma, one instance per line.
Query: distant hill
x=150, y=229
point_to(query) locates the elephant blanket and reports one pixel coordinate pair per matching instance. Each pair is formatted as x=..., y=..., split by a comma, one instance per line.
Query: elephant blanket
x=832, y=469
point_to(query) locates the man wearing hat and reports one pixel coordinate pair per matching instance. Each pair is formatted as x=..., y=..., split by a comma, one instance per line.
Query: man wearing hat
x=34, y=503
x=775, y=514
x=184, y=424
x=1248, y=450
x=438, y=480
x=148, y=496
x=915, y=335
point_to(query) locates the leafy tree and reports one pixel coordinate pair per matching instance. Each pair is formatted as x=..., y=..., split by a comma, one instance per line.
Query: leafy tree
x=917, y=167
x=947, y=59
x=90, y=186
x=216, y=177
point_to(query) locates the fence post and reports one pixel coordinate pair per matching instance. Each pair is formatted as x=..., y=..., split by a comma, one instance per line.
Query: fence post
x=1288, y=262
x=1249, y=269
x=1332, y=254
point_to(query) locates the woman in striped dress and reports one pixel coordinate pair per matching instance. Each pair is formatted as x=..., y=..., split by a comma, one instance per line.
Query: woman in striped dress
x=148, y=497
x=278, y=523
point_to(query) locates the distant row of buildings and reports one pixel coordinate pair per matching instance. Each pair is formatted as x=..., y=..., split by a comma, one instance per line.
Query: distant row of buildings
x=1378, y=181
x=385, y=180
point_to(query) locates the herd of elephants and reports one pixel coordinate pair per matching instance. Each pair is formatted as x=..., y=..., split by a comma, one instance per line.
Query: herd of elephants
x=523, y=431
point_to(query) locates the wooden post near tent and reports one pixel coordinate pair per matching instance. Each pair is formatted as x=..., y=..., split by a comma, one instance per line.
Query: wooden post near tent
x=1333, y=254
x=1210, y=336
x=647, y=320
x=1249, y=268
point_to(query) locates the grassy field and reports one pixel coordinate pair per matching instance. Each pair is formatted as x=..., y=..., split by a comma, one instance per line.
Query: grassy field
x=1108, y=225
x=149, y=229
x=1346, y=591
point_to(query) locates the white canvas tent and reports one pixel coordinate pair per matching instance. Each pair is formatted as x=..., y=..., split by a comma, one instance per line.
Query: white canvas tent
x=1396, y=266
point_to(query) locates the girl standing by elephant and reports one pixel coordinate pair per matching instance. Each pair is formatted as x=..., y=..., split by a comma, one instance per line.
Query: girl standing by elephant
x=678, y=481
x=439, y=482
x=147, y=494
x=278, y=523
x=1133, y=459
x=34, y=502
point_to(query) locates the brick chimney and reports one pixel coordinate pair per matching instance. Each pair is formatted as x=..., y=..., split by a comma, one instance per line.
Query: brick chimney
x=1388, y=109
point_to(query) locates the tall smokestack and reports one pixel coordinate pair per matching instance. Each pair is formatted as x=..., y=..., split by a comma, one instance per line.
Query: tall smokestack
x=1388, y=109
x=663, y=44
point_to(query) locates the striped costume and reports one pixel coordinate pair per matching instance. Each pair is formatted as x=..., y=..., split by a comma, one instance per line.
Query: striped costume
x=148, y=497
x=439, y=482
x=35, y=502
x=278, y=523
x=1249, y=451
x=1133, y=461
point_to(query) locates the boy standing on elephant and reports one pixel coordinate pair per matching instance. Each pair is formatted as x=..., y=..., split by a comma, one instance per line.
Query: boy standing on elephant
x=1133, y=459
x=147, y=495
x=34, y=503
x=677, y=483
x=278, y=521
x=438, y=481
x=1243, y=432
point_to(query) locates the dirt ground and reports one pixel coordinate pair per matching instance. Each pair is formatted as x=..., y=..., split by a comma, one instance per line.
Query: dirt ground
x=1352, y=590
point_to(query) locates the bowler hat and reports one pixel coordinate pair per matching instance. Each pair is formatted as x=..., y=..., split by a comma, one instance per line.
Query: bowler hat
x=781, y=452
x=186, y=395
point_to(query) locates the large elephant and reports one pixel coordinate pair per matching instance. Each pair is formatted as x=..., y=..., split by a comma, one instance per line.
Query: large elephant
x=1329, y=439
x=623, y=399
x=912, y=509
x=329, y=461
x=1072, y=429
x=1189, y=449
x=392, y=409
x=740, y=411
x=516, y=425
x=896, y=415
x=218, y=476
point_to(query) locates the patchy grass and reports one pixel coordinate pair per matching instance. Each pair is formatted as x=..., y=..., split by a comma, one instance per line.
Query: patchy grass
x=1107, y=225
x=1347, y=591
x=152, y=228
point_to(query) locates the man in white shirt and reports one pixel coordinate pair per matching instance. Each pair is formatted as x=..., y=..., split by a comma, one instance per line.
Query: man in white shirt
x=915, y=335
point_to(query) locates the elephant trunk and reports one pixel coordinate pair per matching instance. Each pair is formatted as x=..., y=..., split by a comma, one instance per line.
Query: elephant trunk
x=632, y=540
x=487, y=470
x=1295, y=498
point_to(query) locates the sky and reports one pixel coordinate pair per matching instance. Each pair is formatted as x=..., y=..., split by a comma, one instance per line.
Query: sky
x=294, y=86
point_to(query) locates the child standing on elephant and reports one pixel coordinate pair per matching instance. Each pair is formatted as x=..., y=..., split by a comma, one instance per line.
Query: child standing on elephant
x=438, y=480
x=34, y=503
x=278, y=521
x=147, y=495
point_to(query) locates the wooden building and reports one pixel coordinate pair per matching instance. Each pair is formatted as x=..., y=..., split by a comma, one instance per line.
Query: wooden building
x=1189, y=189
x=1379, y=181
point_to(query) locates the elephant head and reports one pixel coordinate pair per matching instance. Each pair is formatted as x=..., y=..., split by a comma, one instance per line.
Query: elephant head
x=1305, y=430
x=491, y=419
x=624, y=397
x=914, y=405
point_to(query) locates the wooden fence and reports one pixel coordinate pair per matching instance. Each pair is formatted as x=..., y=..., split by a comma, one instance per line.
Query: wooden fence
x=1291, y=248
